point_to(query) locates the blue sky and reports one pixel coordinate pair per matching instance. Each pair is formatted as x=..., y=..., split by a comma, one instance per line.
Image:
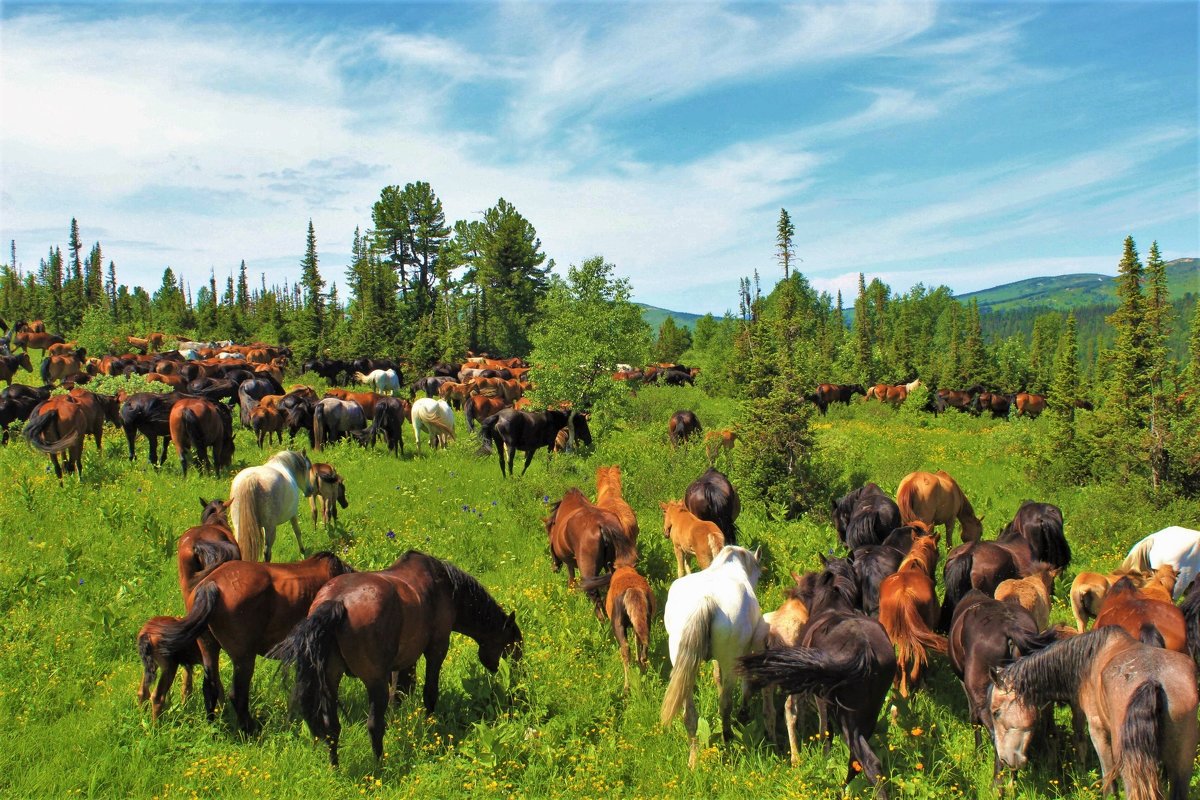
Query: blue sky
x=969, y=144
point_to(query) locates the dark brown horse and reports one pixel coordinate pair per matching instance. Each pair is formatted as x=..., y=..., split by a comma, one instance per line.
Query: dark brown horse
x=994, y=402
x=528, y=432
x=588, y=538
x=17, y=403
x=203, y=547
x=681, y=426
x=712, y=497
x=202, y=424
x=829, y=393
x=390, y=415
x=9, y=365
x=60, y=423
x=1040, y=525
x=865, y=516
x=245, y=608
x=374, y=624
x=148, y=413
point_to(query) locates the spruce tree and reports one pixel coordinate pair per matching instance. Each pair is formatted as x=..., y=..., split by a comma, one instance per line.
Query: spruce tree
x=1063, y=449
x=1156, y=326
x=1127, y=390
x=243, y=290
x=863, y=368
x=784, y=232
x=310, y=331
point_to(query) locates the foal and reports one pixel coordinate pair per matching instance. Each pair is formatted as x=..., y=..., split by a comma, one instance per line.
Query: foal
x=330, y=487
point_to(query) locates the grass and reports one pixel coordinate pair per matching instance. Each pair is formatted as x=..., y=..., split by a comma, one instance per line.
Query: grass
x=83, y=565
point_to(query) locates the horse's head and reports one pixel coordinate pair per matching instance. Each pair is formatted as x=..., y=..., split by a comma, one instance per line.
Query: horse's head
x=670, y=510
x=505, y=641
x=1013, y=721
x=213, y=512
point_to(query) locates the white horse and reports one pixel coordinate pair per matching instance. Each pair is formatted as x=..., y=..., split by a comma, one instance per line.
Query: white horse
x=712, y=615
x=436, y=418
x=262, y=497
x=381, y=380
x=1177, y=546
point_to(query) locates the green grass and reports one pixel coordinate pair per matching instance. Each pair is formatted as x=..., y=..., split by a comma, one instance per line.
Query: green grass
x=83, y=565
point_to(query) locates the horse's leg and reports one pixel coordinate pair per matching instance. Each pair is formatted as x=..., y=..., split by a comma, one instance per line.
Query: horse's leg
x=158, y=701
x=435, y=654
x=618, y=629
x=377, y=700
x=791, y=718
x=269, y=538
x=296, y=530
x=239, y=692
x=210, y=654
x=1079, y=735
x=949, y=532
x=861, y=751
x=690, y=721
x=823, y=725
x=725, y=701
x=1102, y=742
x=312, y=506
x=681, y=566
x=57, y=468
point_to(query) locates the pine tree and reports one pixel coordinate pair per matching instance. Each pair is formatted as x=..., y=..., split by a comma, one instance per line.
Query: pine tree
x=974, y=355
x=784, y=232
x=1127, y=391
x=1156, y=326
x=93, y=279
x=243, y=290
x=1063, y=449
x=310, y=331
x=863, y=366
x=110, y=289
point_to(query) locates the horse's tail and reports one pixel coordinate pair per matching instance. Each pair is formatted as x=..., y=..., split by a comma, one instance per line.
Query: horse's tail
x=37, y=429
x=469, y=414
x=693, y=649
x=307, y=649
x=1140, y=743
x=904, y=498
x=1149, y=635
x=595, y=583
x=245, y=518
x=801, y=670
x=1191, y=615
x=912, y=638
x=1138, y=559
x=178, y=638
x=318, y=426
x=722, y=508
x=44, y=370
x=191, y=427
x=1026, y=643
x=488, y=436
x=957, y=583
x=638, y=605
x=614, y=541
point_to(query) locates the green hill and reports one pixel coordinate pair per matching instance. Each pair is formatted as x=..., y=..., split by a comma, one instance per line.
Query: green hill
x=1064, y=292
x=654, y=316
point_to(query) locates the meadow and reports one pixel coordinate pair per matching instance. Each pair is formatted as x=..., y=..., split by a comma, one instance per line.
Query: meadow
x=83, y=565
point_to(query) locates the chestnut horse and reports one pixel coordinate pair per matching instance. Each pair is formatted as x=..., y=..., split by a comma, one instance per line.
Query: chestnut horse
x=588, y=538
x=717, y=442
x=908, y=611
x=1034, y=593
x=1029, y=405
x=1089, y=589
x=785, y=628
x=630, y=605
x=198, y=423
x=609, y=497
x=681, y=426
x=1146, y=618
x=690, y=534
x=374, y=624
x=60, y=423
x=936, y=499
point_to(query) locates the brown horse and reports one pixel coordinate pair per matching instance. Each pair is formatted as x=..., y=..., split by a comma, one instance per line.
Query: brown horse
x=587, y=538
x=681, y=426
x=201, y=424
x=330, y=487
x=245, y=608
x=829, y=393
x=936, y=499
x=60, y=423
x=149, y=639
x=205, y=546
x=717, y=442
x=481, y=407
x=9, y=365
x=264, y=421
x=374, y=624
x=630, y=605
x=35, y=340
x=1034, y=593
x=57, y=368
x=1145, y=617
x=690, y=535
x=1029, y=405
x=908, y=611
x=366, y=400
x=1089, y=589
x=786, y=629
x=609, y=497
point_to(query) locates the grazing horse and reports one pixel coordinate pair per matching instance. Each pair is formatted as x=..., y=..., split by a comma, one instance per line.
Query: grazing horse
x=333, y=417
x=829, y=393
x=1034, y=593
x=936, y=499
x=435, y=418
x=865, y=516
x=609, y=497
x=717, y=442
x=528, y=432
x=588, y=538
x=200, y=423
x=681, y=426
x=330, y=488
x=1040, y=525
x=203, y=547
x=908, y=611
x=481, y=407
x=365, y=400
x=874, y=562
x=845, y=660
x=390, y=414
x=263, y=497
x=1140, y=703
x=1176, y=546
x=1089, y=589
x=712, y=497
x=17, y=403
x=375, y=624
x=630, y=605
x=711, y=615
x=10, y=364
x=148, y=413
x=995, y=402
x=986, y=634
x=61, y=422
x=380, y=380
x=690, y=534
x=245, y=608
x=1029, y=405
x=264, y=421
x=1145, y=617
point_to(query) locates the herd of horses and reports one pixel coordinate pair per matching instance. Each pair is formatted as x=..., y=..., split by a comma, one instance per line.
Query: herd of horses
x=974, y=400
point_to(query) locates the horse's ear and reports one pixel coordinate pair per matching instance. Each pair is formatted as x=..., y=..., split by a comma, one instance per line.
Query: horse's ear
x=824, y=562
x=833, y=503
x=512, y=618
x=758, y=554
x=662, y=505
x=203, y=503
x=996, y=675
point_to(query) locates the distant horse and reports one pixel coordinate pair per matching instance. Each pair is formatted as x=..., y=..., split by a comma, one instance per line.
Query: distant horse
x=986, y=634
x=681, y=426
x=245, y=608
x=480, y=407
x=528, y=432
x=57, y=368
x=36, y=340
x=609, y=497
x=148, y=413
x=936, y=499
x=263, y=497
x=893, y=395
x=1148, y=619
x=390, y=415
x=1177, y=546
x=588, y=538
x=845, y=660
x=365, y=400
x=1041, y=526
x=329, y=369
x=690, y=534
x=830, y=393
x=711, y=615
x=712, y=497
x=380, y=380
x=330, y=488
x=9, y=365
x=1034, y=593
x=1029, y=405
x=630, y=605
x=717, y=442
x=333, y=418
x=994, y=402
x=198, y=423
x=375, y=624
x=908, y=611
x=1140, y=704
x=435, y=418
x=61, y=422
x=865, y=516
x=960, y=399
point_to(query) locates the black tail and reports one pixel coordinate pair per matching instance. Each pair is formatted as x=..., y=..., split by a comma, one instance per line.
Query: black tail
x=44, y=370
x=211, y=554
x=469, y=413
x=1149, y=635
x=488, y=435
x=595, y=584
x=721, y=506
x=799, y=670
x=616, y=548
x=1191, y=615
x=179, y=638
x=957, y=578
x=1140, y=742
x=307, y=649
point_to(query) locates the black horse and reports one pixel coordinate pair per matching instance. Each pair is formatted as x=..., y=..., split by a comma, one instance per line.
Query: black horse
x=327, y=368
x=865, y=516
x=874, y=562
x=429, y=385
x=1040, y=525
x=677, y=377
x=390, y=414
x=528, y=432
x=214, y=389
x=712, y=497
x=17, y=403
x=148, y=413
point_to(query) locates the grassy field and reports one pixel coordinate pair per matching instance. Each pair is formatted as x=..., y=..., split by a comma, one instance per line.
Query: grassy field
x=82, y=566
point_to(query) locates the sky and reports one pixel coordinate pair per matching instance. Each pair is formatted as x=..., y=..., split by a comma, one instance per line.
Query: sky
x=965, y=143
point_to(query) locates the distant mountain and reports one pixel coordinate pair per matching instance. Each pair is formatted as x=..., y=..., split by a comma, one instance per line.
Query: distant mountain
x=654, y=316
x=1064, y=292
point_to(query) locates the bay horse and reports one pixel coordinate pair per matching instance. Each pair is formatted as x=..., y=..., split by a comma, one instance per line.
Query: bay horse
x=198, y=423
x=265, y=421
x=984, y=566
x=148, y=413
x=1040, y=525
x=629, y=604
x=373, y=624
x=994, y=402
x=334, y=417
x=588, y=538
x=690, y=534
x=481, y=407
x=529, y=431
x=712, y=497
x=960, y=399
x=1146, y=618
x=609, y=497
x=55, y=368
x=1140, y=704
x=712, y=615
x=1029, y=405
x=936, y=499
x=985, y=635
x=36, y=340
x=717, y=442
x=330, y=488
x=908, y=611
x=390, y=414
x=9, y=365
x=245, y=608
x=263, y=497
x=61, y=422
x=436, y=419
x=865, y=516
x=829, y=393
x=845, y=660
x=681, y=426
x=1177, y=546
x=205, y=546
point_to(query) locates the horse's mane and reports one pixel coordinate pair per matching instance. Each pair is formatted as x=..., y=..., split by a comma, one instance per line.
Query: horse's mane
x=336, y=565
x=743, y=557
x=293, y=461
x=1054, y=674
x=1139, y=557
x=466, y=588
